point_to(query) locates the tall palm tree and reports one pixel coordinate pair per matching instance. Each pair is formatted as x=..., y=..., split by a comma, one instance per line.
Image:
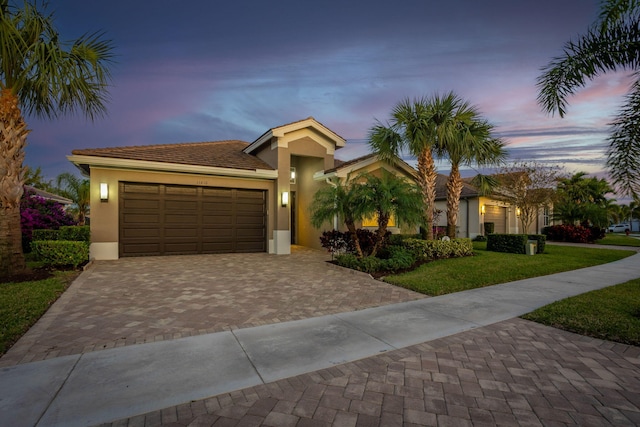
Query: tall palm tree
x=45, y=77
x=389, y=196
x=341, y=199
x=473, y=143
x=417, y=126
x=612, y=43
x=71, y=187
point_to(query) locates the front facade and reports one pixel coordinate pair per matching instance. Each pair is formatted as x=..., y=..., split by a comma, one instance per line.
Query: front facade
x=214, y=197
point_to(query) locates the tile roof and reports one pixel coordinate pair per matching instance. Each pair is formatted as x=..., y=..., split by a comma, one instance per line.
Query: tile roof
x=468, y=190
x=223, y=154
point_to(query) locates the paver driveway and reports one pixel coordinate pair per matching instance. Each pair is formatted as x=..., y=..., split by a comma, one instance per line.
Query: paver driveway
x=137, y=300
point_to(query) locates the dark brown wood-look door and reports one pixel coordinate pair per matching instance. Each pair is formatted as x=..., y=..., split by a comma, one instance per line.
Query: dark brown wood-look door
x=162, y=219
x=496, y=215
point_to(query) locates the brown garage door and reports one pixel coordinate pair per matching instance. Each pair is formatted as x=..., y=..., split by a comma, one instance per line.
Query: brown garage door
x=158, y=219
x=496, y=215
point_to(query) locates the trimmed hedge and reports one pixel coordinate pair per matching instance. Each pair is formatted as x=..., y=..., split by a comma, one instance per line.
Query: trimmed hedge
x=429, y=250
x=510, y=243
x=75, y=233
x=515, y=243
x=61, y=252
x=399, y=259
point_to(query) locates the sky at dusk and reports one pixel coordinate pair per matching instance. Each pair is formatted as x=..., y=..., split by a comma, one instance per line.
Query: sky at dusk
x=211, y=70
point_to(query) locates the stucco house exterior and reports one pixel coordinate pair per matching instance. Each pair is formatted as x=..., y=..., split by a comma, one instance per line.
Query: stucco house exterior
x=215, y=197
x=476, y=210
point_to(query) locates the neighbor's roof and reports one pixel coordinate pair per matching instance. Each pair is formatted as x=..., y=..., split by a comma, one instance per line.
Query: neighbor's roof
x=50, y=196
x=223, y=154
x=468, y=190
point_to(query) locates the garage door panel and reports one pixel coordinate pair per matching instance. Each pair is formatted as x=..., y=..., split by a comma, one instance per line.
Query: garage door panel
x=157, y=219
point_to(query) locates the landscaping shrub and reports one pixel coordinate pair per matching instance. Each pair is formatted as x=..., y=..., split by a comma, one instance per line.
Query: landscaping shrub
x=510, y=243
x=480, y=238
x=398, y=258
x=39, y=213
x=77, y=233
x=572, y=233
x=397, y=239
x=59, y=253
x=45, y=234
x=428, y=250
x=340, y=242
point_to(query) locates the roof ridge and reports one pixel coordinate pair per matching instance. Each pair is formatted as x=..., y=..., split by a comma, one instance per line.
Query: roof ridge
x=159, y=146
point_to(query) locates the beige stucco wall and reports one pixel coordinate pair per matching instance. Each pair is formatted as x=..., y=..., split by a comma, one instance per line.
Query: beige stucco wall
x=104, y=215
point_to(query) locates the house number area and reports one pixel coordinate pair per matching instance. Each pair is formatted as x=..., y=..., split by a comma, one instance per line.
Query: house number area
x=202, y=182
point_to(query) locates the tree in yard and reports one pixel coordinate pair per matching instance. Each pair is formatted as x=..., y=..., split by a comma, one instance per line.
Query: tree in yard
x=473, y=143
x=342, y=200
x=611, y=44
x=34, y=178
x=529, y=186
x=78, y=190
x=45, y=77
x=388, y=196
x=417, y=127
x=582, y=200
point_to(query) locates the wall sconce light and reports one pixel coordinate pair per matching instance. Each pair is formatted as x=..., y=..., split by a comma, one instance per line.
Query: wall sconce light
x=517, y=211
x=104, y=192
x=292, y=178
x=482, y=209
x=285, y=199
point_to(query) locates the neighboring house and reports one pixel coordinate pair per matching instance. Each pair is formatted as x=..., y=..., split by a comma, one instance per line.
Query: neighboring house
x=215, y=197
x=476, y=210
x=50, y=196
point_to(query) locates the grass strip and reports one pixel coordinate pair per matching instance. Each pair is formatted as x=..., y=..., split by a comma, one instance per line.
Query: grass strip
x=611, y=314
x=23, y=303
x=619, y=240
x=490, y=268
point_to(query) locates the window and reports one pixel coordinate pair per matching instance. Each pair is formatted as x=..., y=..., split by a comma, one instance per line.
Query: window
x=373, y=222
x=546, y=216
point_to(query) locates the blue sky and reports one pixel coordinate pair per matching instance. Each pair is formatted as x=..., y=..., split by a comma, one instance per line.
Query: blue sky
x=210, y=70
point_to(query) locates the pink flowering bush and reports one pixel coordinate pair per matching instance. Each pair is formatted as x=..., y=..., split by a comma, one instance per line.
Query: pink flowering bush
x=39, y=213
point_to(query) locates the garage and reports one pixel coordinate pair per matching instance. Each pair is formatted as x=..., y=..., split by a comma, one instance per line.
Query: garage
x=496, y=215
x=164, y=219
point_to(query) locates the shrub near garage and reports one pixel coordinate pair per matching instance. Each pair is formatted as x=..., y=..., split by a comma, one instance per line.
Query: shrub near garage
x=60, y=253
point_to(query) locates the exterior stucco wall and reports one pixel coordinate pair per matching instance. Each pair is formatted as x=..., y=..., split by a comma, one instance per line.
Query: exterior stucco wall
x=105, y=215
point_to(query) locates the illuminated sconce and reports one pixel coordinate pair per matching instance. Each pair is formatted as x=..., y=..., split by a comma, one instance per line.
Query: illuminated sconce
x=104, y=192
x=482, y=209
x=292, y=178
x=285, y=199
x=517, y=211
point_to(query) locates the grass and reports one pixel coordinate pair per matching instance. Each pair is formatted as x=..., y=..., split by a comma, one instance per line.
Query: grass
x=611, y=313
x=490, y=268
x=619, y=239
x=23, y=303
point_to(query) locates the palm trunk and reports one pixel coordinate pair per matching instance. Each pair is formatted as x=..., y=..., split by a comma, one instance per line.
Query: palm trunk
x=354, y=237
x=383, y=222
x=427, y=175
x=454, y=189
x=13, y=137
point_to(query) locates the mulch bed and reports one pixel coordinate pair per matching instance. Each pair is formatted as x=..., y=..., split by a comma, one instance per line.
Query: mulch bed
x=30, y=275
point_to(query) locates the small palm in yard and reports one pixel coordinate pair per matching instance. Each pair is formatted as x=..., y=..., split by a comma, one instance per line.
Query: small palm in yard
x=77, y=190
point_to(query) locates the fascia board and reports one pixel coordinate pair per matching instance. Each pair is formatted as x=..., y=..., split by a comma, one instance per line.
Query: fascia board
x=171, y=167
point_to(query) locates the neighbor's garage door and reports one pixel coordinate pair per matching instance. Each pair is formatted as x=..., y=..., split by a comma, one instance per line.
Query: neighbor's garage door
x=496, y=215
x=157, y=219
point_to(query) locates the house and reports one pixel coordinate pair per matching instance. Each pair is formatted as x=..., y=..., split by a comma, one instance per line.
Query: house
x=215, y=197
x=477, y=210
x=65, y=202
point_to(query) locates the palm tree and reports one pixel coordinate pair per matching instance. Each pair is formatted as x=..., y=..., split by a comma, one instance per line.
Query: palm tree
x=77, y=190
x=417, y=126
x=46, y=77
x=612, y=43
x=472, y=144
x=390, y=197
x=341, y=199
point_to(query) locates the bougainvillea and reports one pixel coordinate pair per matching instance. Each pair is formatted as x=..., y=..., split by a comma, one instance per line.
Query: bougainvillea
x=39, y=213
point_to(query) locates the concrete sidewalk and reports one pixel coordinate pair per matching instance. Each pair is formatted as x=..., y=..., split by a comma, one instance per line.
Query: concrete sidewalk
x=104, y=386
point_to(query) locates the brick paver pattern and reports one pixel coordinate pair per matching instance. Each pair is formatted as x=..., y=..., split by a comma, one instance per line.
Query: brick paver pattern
x=511, y=373
x=138, y=300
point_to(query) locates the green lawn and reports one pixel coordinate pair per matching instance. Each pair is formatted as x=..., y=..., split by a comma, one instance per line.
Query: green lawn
x=490, y=268
x=22, y=304
x=619, y=239
x=611, y=313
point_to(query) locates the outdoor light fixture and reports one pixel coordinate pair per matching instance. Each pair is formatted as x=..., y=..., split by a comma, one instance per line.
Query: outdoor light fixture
x=517, y=211
x=482, y=209
x=292, y=178
x=285, y=199
x=104, y=192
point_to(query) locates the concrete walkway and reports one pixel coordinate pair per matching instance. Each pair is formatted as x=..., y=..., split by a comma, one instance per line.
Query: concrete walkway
x=154, y=378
